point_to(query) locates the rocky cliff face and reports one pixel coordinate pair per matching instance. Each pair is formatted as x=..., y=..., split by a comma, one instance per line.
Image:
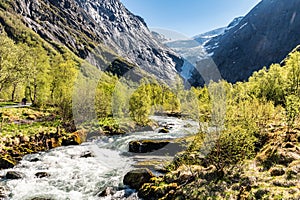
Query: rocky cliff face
x=264, y=36
x=99, y=31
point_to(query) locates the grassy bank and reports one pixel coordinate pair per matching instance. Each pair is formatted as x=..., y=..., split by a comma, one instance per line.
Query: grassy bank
x=30, y=130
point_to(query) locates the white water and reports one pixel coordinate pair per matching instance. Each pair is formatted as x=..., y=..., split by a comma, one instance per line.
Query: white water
x=75, y=178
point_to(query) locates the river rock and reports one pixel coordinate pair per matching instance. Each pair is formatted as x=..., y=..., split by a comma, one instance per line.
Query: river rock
x=74, y=139
x=87, y=154
x=42, y=174
x=14, y=175
x=3, y=192
x=107, y=191
x=34, y=160
x=136, y=178
x=6, y=163
x=144, y=146
x=164, y=130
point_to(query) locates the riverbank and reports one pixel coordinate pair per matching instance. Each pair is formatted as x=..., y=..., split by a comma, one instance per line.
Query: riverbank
x=274, y=173
x=27, y=130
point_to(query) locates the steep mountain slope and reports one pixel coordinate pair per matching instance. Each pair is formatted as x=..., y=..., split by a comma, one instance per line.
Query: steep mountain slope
x=266, y=35
x=99, y=31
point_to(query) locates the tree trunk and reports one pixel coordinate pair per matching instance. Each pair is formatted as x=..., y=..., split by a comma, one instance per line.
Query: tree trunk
x=13, y=92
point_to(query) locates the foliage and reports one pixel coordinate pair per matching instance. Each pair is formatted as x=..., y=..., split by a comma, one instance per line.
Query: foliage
x=292, y=109
x=232, y=146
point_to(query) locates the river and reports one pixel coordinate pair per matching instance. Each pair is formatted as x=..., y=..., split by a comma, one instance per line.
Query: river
x=73, y=176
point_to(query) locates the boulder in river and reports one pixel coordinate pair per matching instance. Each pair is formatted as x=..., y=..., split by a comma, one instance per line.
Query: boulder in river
x=14, y=175
x=164, y=130
x=42, y=174
x=6, y=163
x=87, y=154
x=145, y=146
x=136, y=178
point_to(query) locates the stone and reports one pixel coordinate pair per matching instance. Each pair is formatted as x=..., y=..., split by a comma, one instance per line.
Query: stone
x=14, y=175
x=277, y=171
x=163, y=130
x=34, y=160
x=6, y=163
x=145, y=146
x=87, y=154
x=107, y=191
x=260, y=193
x=71, y=140
x=136, y=178
x=42, y=174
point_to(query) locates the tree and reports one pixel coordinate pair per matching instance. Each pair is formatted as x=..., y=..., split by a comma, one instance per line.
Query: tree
x=140, y=105
x=293, y=77
x=7, y=59
x=63, y=73
x=292, y=110
x=21, y=68
x=38, y=76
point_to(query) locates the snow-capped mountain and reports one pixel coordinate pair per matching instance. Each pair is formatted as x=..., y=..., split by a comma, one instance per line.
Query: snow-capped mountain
x=264, y=36
x=193, y=50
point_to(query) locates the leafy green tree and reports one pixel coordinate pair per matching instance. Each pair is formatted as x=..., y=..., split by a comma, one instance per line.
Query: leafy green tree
x=38, y=76
x=140, y=105
x=7, y=59
x=292, y=110
x=293, y=77
x=63, y=73
x=104, y=94
x=270, y=84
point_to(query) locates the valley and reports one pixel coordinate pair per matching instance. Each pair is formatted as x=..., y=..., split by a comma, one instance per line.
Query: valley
x=94, y=104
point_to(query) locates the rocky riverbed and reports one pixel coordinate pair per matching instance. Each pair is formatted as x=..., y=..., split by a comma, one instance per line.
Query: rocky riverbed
x=92, y=170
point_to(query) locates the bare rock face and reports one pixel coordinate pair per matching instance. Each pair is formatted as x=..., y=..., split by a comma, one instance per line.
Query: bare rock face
x=99, y=31
x=264, y=36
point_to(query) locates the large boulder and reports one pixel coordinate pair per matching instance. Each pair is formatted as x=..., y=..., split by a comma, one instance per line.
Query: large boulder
x=136, y=178
x=145, y=146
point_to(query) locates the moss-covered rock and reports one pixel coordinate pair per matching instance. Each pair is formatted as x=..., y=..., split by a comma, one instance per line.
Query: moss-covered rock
x=144, y=146
x=136, y=178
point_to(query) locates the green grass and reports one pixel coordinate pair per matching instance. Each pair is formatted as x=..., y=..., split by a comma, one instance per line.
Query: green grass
x=3, y=104
x=27, y=121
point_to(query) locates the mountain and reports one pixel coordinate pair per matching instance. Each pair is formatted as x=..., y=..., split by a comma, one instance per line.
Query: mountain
x=160, y=37
x=99, y=31
x=264, y=36
x=194, y=49
x=206, y=37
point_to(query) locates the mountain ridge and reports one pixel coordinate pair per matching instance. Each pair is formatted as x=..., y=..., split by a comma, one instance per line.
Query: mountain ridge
x=98, y=31
x=264, y=36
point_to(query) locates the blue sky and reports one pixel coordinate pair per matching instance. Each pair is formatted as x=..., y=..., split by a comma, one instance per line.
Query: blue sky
x=189, y=17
